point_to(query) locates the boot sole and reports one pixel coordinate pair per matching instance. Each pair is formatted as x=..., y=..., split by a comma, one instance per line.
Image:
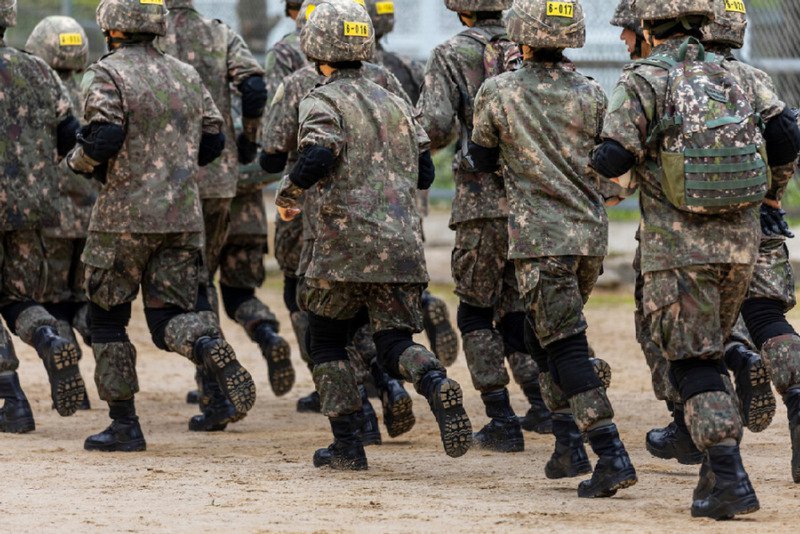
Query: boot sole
x=455, y=427
x=279, y=367
x=344, y=466
x=440, y=333
x=624, y=480
x=131, y=446
x=759, y=409
x=722, y=513
x=67, y=388
x=399, y=417
x=21, y=426
x=234, y=380
x=603, y=371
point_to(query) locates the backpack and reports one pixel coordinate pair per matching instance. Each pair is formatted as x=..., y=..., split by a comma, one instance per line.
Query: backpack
x=711, y=152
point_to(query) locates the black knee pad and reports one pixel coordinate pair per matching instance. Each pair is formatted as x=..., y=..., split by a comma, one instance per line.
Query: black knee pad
x=290, y=293
x=390, y=344
x=109, y=326
x=11, y=313
x=203, y=304
x=471, y=318
x=361, y=319
x=157, y=321
x=512, y=327
x=569, y=359
x=765, y=319
x=63, y=311
x=328, y=339
x=694, y=376
x=535, y=348
x=233, y=297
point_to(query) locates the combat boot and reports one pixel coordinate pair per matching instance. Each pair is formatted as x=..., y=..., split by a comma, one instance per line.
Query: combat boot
x=309, y=404
x=503, y=433
x=123, y=435
x=440, y=333
x=753, y=387
x=792, y=401
x=447, y=404
x=706, y=481
x=217, y=410
x=60, y=357
x=370, y=431
x=193, y=397
x=732, y=493
x=346, y=453
x=235, y=382
x=569, y=458
x=16, y=416
x=398, y=412
x=278, y=354
x=614, y=470
x=538, y=419
x=674, y=441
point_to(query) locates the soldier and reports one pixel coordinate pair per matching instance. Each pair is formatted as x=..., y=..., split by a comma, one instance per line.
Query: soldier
x=699, y=197
x=632, y=34
x=557, y=225
x=223, y=60
x=490, y=312
x=368, y=245
x=29, y=181
x=62, y=44
x=147, y=226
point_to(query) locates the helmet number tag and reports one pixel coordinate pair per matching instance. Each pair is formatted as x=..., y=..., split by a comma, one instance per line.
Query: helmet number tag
x=384, y=8
x=152, y=2
x=362, y=2
x=356, y=29
x=70, y=39
x=735, y=6
x=561, y=9
x=309, y=10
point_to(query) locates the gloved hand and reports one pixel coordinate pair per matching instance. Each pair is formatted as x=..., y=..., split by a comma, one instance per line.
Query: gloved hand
x=246, y=149
x=773, y=222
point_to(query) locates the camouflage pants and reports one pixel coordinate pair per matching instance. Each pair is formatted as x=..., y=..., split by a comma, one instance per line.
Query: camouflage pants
x=64, y=275
x=216, y=219
x=288, y=244
x=166, y=266
x=23, y=266
x=242, y=261
x=772, y=276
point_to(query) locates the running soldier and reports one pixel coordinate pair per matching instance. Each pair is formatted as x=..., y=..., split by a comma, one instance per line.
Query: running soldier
x=365, y=182
x=29, y=180
x=542, y=122
x=146, y=229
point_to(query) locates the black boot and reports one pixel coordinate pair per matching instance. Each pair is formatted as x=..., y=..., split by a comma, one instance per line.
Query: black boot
x=60, y=357
x=278, y=354
x=370, y=431
x=538, y=419
x=753, y=387
x=346, y=453
x=447, y=404
x=439, y=330
x=85, y=403
x=310, y=403
x=732, y=493
x=218, y=358
x=792, y=401
x=123, y=435
x=398, y=413
x=614, y=470
x=503, y=433
x=217, y=410
x=706, y=482
x=16, y=416
x=569, y=458
x=193, y=397
x=674, y=441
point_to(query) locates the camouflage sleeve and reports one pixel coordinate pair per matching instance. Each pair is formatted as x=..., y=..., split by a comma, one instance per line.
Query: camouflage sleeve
x=320, y=125
x=277, y=66
x=781, y=176
x=394, y=86
x=280, y=127
x=626, y=119
x=438, y=103
x=212, y=118
x=767, y=103
x=61, y=97
x=241, y=63
x=484, y=131
x=423, y=141
x=102, y=101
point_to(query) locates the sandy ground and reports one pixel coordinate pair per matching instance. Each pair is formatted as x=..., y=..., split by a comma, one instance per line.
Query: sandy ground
x=258, y=477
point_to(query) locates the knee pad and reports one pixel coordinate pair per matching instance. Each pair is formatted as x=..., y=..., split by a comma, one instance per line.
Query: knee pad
x=512, y=326
x=569, y=361
x=694, y=376
x=63, y=311
x=765, y=319
x=203, y=304
x=361, y=319
x=712, y=418
x=11, y=313
x=328, y=339
x=110, y=326
x=290, y=293
x=390, y=345
x=233, y=297
x=782, y=357
x=471, y=318
x=157, y=321
x=535, y=348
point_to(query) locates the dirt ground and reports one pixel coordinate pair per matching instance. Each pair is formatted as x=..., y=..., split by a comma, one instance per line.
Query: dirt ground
x=258, y=477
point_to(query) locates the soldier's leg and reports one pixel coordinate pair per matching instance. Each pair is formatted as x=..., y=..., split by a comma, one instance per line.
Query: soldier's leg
x=241, y=272
x=216, y=220
x=441, y=336
x=361, y=351
x=15, y=415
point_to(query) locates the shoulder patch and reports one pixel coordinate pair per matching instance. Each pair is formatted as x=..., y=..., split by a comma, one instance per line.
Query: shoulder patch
x=280, y=92
x=88, y=78
x=618, y=98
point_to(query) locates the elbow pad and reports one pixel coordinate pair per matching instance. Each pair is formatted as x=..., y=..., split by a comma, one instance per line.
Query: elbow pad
x=66, y=135
x=783, y=139
x=611, y=159
x=484, y=159
x=211, y=146
x=273, y=163
x=254, y=96
x=314, y=163
x=101, y=140
x=427, y=171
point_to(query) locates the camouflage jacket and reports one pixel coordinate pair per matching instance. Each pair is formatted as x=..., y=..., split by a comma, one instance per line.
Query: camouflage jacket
x=33, y=101
x=546, y=118
x=283, y=59
x=671, y=238
x=222, y=59
x=453, y=76
x=408, y=72
x=164, y=108
x=77, y=194
x=368, y=229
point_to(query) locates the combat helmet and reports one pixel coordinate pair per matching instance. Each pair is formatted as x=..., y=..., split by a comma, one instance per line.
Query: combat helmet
x=8, y=13
x=543, y=24
x=624, y=17
x=338, y=30
x=673, y=9
x=60, y=42
x=132, y=16
x=382, y=14
x=477, y=5
x=729, y=26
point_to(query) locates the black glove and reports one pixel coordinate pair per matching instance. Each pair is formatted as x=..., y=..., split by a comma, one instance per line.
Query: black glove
x=773, y=222
x=273, y=163
x=483, y=159
x=211, y=146
x=427, y=171
x=246, y=149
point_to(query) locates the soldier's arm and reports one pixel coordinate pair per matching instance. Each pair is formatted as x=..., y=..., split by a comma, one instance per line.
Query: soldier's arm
x=484, y=147
x=277, y=66
x=67, y=125
x=394, y=86
x=279, y=134
x=247, y=75
x=212, y=141
x=427, y=170
x=438, y=103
